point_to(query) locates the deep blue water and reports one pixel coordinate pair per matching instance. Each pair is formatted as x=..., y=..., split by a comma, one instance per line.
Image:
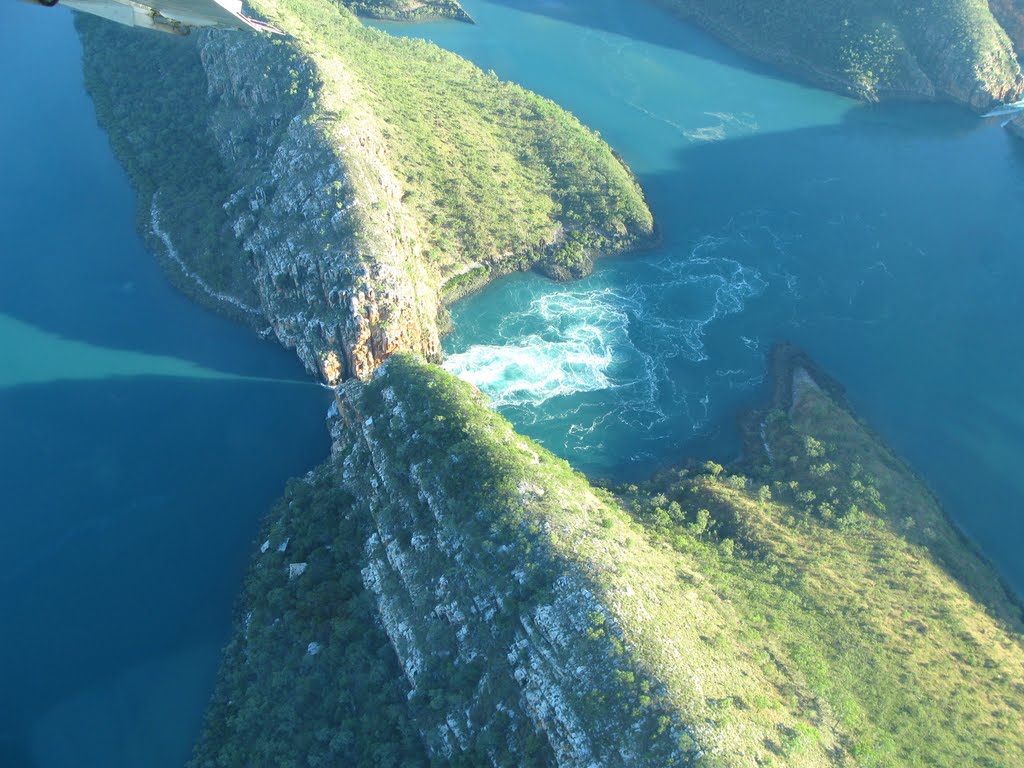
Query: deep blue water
x=884, y=240
x=141, y=441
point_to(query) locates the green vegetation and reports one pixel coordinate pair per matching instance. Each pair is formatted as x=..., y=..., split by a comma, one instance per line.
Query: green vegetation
x=408, y=10
x=495, y=177
x=146, y=111
x=507, y=505
x=876, y=48
x=818, y=610
x=283, y=702
x=851, y=585
x=436, y=176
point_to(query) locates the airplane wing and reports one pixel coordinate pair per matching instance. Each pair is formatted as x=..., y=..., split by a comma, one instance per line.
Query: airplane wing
x=174, y=16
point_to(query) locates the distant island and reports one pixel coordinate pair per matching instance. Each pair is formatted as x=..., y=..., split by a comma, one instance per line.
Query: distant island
x=443, y=590
x=409, y=10
x=964, y=51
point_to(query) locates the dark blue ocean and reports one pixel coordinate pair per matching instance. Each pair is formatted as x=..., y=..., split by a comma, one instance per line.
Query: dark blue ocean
x=141, y=440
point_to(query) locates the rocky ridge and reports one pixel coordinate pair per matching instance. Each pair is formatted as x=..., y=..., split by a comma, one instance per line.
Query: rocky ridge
x=333, y=268
x=544, y=648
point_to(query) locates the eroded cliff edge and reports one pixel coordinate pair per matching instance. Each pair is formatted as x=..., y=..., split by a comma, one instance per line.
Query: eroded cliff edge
x=336, y=187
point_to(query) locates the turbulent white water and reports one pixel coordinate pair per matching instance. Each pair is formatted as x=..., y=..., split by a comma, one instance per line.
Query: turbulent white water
x=561, y=344
x=604, y=352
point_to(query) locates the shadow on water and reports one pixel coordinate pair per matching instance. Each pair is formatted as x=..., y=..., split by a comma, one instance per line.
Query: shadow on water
x=643, y=21
x=73, y=262
x=890, y=254
x=132, y=506
x=15, y=752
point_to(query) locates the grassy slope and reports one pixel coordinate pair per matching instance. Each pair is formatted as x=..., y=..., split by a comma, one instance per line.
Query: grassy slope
x=848, y=576
x=857, y=627
x=824, y=614
x=675, y=626
x=875, y=48
x=490, y=173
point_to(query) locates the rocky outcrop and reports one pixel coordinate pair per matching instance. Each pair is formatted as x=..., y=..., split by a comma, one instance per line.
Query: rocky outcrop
x=343, y=297
x=344, y=300
x=529, y=619
x=540, y=654
x=328, y=270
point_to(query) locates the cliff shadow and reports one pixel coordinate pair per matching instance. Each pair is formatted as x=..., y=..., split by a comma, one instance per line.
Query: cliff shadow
x=647, y=22
x=132, y=510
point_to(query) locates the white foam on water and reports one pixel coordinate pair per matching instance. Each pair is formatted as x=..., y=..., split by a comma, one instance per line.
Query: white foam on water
x=563, y=343
x=603, y=353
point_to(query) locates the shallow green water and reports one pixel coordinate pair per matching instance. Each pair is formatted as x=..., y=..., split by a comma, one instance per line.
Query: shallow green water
x=141, y=441
x=882, y=239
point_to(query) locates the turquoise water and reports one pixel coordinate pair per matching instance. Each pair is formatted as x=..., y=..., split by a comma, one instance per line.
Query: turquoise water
x=884, y=240
x=141, y=441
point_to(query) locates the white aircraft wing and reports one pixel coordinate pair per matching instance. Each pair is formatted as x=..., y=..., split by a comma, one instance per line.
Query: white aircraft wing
x=175, y=16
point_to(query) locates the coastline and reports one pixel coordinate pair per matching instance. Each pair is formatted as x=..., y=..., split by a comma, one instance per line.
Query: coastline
x=802, y=69
x=786, y=363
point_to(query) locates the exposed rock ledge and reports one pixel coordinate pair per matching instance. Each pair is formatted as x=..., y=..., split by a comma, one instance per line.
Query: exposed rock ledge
x=333, y=281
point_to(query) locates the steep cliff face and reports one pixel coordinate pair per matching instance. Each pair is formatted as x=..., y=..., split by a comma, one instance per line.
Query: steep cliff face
x=533, y=622
x=952, y=50
x=341, y=176
x=324, y=267
x=507, y=654
x=332, y=262
x=543, y=672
